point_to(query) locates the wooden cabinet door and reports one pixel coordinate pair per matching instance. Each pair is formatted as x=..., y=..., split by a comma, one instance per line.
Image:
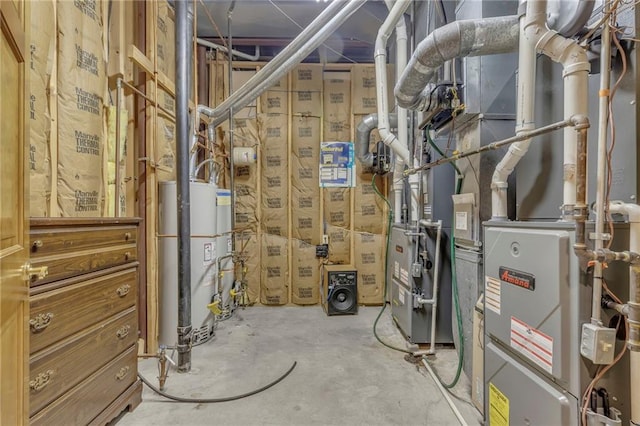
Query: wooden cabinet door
x=14, y=235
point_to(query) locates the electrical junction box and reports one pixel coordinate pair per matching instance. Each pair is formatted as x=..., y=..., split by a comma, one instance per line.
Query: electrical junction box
x=598, y=343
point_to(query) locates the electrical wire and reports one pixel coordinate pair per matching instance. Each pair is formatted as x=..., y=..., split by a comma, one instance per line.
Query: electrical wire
x=301, y=27
x=216, y=400
x=601, y=372
x=213, y=22
x=386, y=255
x=454, y=278
x=612, y=129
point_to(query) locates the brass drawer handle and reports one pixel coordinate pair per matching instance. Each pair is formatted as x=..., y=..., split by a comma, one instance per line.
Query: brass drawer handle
x=123, y=331
x=41, y=380
x=40, y=322
x=123, y=290
x=122, y=373
x=37, y=244
x=127, y=236
x=127, y=256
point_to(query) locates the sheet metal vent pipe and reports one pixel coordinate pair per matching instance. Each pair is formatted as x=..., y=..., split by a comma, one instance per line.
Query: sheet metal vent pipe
x=184, y=25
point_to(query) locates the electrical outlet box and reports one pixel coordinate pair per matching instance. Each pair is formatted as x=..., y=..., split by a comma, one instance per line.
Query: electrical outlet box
x=325, y=239
x=416, y=269
x=598, y=343
x=322, y=250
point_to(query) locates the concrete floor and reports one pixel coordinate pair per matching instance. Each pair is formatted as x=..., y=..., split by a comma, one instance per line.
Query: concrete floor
x=343, y=377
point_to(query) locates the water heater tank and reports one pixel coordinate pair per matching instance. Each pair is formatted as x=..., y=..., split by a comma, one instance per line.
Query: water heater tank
x=203, y=256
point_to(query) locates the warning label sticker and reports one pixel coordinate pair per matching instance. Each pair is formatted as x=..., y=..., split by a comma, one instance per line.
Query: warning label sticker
x=492, y=294
x=532, y=343
x=396, y=269
x=498, y=407
x=401, y=294
x=404, y=276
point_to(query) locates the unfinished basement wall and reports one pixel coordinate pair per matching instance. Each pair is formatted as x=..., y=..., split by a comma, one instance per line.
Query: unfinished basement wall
x=281, y=211
x=72, y=110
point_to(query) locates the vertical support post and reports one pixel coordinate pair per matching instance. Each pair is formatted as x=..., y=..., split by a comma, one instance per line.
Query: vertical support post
x=184, y=19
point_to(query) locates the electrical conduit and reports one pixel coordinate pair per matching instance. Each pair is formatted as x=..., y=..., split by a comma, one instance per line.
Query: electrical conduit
x=601, y=171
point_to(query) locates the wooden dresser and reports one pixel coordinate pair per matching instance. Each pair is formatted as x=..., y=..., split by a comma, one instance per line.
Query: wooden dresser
x=83, y=321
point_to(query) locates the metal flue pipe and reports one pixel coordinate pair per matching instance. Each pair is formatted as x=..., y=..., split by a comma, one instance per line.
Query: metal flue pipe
x=363, y=132
x=183, y=33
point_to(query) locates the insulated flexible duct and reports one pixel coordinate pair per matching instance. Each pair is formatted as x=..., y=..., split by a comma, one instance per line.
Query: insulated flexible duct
x=485, y=36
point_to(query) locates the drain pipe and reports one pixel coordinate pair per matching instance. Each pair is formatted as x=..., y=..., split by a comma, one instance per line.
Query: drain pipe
x=363, y=132
x=388, y=138
x=576, y=88
x=403, y=131
x=183, y=32
x=633, y=318
x=525, y=122
x=252, y=58
x=487, y=36
x=308, y=40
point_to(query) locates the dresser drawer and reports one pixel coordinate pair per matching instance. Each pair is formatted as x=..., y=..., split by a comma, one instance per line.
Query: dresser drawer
x=57, y=240
x=69, y=251
x=71, y=307
x=87, y=400
x=58, y=368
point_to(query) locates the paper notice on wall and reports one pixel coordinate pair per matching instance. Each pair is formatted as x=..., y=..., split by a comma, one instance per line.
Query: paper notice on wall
x=492, y=291
x=337, y=167
x=532, y=343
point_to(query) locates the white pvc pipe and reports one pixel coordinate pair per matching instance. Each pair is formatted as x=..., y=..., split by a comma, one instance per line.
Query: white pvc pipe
x=603, y=119
x=633, y=212
x=445, y=394
x=400, y=148
x=525, y=121
x=380, y=57
x=576, y=88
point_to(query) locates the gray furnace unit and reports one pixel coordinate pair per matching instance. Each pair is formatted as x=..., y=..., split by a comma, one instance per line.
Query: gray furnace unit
x=536, y=300
x=412, y=262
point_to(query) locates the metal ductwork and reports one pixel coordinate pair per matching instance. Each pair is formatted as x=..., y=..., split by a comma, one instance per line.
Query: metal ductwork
x=363, y=131
x=307, y=41
x=458, y=39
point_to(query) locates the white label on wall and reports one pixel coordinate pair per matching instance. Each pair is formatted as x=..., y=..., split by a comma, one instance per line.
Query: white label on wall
x=209, y=253
x=461, y=221
x=401, y=294
x=492, y=294
x=532, y=343
x=396, y=269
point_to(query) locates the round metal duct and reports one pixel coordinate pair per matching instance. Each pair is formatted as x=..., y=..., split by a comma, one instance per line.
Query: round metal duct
x=568, y=17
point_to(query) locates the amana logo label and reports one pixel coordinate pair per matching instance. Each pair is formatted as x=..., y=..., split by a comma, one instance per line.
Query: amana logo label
x=517, y=278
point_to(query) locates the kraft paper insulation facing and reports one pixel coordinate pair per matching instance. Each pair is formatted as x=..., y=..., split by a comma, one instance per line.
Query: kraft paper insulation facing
x=262, y=206
x=82, y=86
x=41, y=58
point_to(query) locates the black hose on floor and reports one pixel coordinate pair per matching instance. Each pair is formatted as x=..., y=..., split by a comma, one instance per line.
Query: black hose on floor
x=214, y=400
